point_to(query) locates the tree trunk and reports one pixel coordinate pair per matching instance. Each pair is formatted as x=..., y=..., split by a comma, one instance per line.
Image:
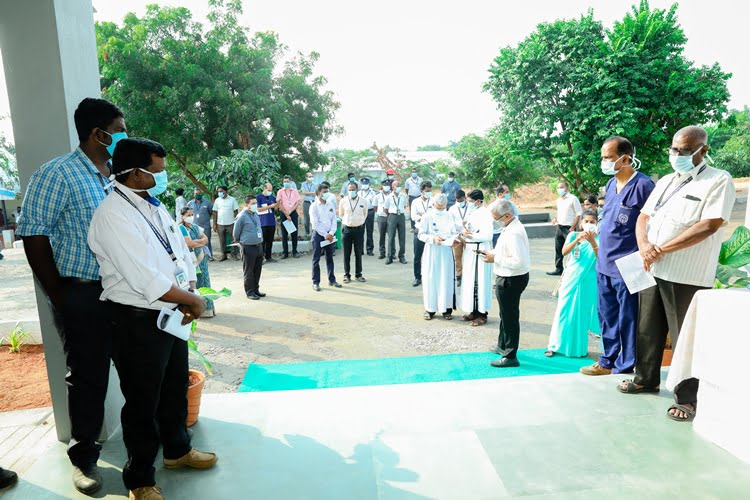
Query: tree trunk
x=189, y=174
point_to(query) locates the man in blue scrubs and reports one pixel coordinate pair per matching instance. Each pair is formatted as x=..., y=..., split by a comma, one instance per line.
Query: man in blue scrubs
x=626, y=194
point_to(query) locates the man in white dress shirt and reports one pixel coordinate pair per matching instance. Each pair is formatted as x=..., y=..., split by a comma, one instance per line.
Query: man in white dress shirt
x=353, y=213
x=511, y=262
x=323, y=214
x=476, y=292
x=419, y=208
x=381, y=218
x=679, y=238
x=568, y=214
x=369, y=195
x=395, y=207
x=145, y=267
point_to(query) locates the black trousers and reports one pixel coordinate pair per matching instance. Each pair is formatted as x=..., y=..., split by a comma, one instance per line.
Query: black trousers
x=153, y=369
x=508, y=291
x=396, y=224
x=662, y=311
x=285, y=235
x=561, y=233
x=224, y=231
x=252, y=266
x=370, y=229
x=353, y=237
x=411, y=200
x=85, y=329
x=418, y=251
x=268, y=234
x=317, y=251
x=382, y=233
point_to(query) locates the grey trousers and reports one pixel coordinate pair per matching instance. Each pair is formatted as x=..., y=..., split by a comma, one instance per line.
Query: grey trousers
x=306, y=212
x=396, y=223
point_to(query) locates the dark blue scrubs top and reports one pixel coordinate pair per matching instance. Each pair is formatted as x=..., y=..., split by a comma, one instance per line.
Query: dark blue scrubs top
x=621, y=211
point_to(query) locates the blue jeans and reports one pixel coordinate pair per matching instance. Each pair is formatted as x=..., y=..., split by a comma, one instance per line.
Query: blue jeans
x=618, y=318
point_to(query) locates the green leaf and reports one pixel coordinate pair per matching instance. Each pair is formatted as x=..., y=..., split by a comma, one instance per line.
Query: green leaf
x=728, y=276
x=193, y=350
x=735, y=252
x=211, y=294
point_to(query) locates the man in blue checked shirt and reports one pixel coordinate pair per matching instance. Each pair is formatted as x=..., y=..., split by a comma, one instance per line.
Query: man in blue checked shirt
x=60, y=200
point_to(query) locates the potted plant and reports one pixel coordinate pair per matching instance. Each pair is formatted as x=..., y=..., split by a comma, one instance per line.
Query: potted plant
x=196, y=378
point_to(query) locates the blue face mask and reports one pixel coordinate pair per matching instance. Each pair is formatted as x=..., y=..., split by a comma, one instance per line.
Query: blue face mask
x=683, y=164
x=116, y=137
x=507, y=196
x=352, y=194
x=222, y=194
x=352, y=179
x=398, y=189
x=287, y=184
x=413, y=175
x=161, y=183
x=462, y=204
x=428, y=195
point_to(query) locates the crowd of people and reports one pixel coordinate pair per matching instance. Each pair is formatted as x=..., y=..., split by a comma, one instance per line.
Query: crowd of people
x=111, y=258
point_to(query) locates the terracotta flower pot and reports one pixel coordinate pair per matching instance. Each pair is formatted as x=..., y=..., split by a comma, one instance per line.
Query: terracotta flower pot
x=666, y=359
x=196, y=381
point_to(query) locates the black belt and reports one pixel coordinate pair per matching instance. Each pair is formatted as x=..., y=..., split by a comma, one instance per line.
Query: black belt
x=135, y=311
x=69, y=280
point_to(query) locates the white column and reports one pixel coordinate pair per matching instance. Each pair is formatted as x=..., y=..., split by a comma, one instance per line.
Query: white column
x=50, y=61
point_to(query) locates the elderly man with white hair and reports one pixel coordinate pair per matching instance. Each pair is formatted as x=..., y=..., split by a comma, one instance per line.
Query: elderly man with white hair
x=438, y=230
x=510, y=261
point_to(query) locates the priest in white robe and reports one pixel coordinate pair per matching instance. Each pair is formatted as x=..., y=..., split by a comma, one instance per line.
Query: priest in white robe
x=438, y=230
x=476, y=288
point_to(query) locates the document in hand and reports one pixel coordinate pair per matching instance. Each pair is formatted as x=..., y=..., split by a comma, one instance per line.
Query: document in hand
x=635, y=277
x=289, y=226
x=325, y=243
x=170, y=321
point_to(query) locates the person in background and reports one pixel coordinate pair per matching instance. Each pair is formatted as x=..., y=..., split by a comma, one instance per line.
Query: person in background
x=17, y=215
x=2, y=219
x=679, y=237
x=179, y=203
x=202, y=210
x=266, y=202
x=568, y=215
x=418, y=209
x=511, y=262
x=353, y=213
x=308, y=194
x=381, y=217
x=146, y=267
x=350, y=177
x=437, y=231
x=324, y=223
x=577, y=313
x=600, y=210
x=369, y=195
x=476, y=296
x=60, y=200
x=460, y=212
x=7, y=478
x=395, y=207
x=412, y=186
x=390, y=175
x=590, y=203
x=226, y=209
x=502, y=192
x=627, y=192
x=196, y=240
x=288, y=201
x=248, y=232
x=450, y=188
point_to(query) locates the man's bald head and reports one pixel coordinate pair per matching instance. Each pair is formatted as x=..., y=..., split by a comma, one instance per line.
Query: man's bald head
x=696, y=135
x=689, y=140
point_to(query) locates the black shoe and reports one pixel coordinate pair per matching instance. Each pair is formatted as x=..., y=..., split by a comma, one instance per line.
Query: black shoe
x=403, y=261
x=505, y=363
x=347, y=279
x=389, y=262
x=417, y=282
x=87, y=479
x=381, y=257
x=253, y=296
x=316, y=287
x=371, y=254
x=335, y=283
x=295, y=255
x=285, y=256
x=271, y=260
x=555, y=273
x=260, y=294
x=7, y=477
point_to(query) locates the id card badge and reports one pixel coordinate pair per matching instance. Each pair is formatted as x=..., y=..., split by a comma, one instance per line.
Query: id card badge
x=181, y=277
x=260, y=233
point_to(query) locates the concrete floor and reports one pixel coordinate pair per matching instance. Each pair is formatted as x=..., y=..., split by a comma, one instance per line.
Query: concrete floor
x=555, y=436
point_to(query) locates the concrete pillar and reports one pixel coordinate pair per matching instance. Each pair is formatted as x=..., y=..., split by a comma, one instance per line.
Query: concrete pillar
x=50, y=61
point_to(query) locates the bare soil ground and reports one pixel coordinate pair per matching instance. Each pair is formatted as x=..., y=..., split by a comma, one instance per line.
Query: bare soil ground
x=23, y=378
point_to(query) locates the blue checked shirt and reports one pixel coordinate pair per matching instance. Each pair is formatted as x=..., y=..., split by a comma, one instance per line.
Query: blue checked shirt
x=60, y=202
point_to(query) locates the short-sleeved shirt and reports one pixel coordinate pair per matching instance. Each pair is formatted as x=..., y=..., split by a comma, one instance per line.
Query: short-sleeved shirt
x=288, y=199
x=202, y=211
x=225, y=208
x=379, y=203
x=309, y=187
x=60, y=201
x=710, y=194
x=267, y=219
x=413, y=186
x=369, y=195
x=449, y=189
x=396, y=203
x=179, y=203
x=568, y=208
x=617, y=230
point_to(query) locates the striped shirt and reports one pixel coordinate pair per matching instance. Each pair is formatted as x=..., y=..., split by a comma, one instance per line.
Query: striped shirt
x=673, y=210
x=60, y=201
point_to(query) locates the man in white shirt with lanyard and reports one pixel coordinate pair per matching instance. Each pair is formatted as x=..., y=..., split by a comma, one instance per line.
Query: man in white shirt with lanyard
x=353, y=213
x=395, y=207
x=568, y=214
x=369, y=195
x=381, y=218
x=679, y=238
x=308, y=193
x=460, y=212
x=419, y=207
x=145, y=267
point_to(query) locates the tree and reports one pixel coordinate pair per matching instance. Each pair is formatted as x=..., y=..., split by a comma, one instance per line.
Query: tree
x=206, y=92
x=344, y=161
x=730, y=143
x=571, y=84
x=244, y=170
x=8, y=167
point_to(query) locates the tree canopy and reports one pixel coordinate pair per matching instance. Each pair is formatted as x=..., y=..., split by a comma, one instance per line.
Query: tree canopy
x=204, y=92
x=571, y=84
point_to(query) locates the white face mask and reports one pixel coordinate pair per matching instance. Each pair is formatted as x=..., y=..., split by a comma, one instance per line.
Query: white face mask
x=608, y=167
x=588, y=227
x=561, y=191
x=189, y=220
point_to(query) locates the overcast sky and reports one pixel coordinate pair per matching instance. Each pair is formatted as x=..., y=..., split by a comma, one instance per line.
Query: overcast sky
x=409, y=73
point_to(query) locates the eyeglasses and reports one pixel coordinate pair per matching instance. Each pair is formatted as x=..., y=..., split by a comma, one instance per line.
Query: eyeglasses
x=684, y=151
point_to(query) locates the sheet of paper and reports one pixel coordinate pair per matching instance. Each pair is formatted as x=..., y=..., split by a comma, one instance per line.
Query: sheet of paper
x=635, y=277
x=289, y=225
x=449, y=241
x=325, y=243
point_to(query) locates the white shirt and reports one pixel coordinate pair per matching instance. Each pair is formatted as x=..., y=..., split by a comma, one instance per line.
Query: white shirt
x=512, y=257
x=379, y=203
x=497, y=226
x=419, y=207
x=135, y=268
x=396, y=203
x=710, y=195
x=353, y=211
x=225, y=208
x=568, y=208
x=460, y=214
x=179, y=204
x=413, y=186
x=323, y=217
x=369, y=195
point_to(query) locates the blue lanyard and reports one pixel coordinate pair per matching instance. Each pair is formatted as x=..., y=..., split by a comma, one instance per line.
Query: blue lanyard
x=661, y=203
x=164, y=242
